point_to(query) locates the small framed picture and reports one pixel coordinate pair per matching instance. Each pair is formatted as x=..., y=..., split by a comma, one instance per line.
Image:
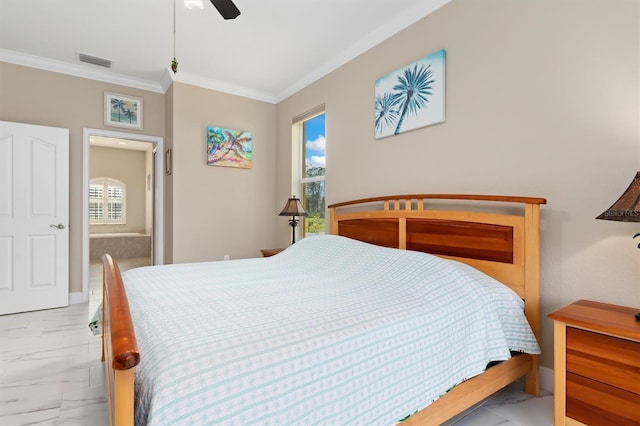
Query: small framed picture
x=122, y=111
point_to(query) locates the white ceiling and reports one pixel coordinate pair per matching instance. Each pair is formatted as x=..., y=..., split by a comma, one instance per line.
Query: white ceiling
x=273, y=49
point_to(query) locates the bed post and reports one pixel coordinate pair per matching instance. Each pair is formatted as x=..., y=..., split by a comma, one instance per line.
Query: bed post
x=119, y=346
x=124, y=397
x=333, y=223
x=532, y=288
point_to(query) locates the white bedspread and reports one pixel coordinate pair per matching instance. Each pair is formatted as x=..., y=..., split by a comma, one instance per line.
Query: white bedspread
x=331, y=331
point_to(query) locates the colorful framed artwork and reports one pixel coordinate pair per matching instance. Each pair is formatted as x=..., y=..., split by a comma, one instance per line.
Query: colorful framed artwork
x=229, y=148
x=122, y=111
x=411, y=97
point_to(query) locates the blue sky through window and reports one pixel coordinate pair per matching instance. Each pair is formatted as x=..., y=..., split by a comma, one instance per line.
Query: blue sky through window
x=315, y=143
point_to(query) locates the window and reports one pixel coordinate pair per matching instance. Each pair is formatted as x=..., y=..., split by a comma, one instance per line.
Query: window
x=107, y=201
x=312, y=173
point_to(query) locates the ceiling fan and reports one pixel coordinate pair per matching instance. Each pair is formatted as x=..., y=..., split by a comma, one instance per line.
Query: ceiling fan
x=226, y=8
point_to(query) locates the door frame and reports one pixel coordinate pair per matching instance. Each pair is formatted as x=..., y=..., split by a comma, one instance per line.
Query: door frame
x=158, y=199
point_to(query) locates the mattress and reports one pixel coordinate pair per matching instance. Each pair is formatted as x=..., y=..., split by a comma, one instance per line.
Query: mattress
x=331, y=331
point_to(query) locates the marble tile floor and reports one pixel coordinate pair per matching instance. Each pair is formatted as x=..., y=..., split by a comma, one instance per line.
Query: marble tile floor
x=51, y=373
x=50, y=369
x=509, y=407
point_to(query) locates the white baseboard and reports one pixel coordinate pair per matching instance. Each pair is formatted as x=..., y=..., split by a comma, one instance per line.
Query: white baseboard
x=546, y=379
x=75, y=298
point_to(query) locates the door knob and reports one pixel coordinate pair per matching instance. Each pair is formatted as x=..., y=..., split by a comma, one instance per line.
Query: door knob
x=59, y=226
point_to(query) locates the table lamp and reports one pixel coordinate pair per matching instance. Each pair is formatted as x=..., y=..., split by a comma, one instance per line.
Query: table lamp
x=626, y=209
x=294, y=209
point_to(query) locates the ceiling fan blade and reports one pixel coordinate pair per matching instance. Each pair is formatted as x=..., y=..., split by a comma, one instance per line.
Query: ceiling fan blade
x=227, y=9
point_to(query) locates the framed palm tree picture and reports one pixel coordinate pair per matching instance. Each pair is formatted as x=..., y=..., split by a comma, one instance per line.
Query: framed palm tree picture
x=229, y=148
x=411, y=97
x=122, y=111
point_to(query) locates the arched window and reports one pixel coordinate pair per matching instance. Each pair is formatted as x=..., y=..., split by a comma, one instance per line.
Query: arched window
x=107, y=201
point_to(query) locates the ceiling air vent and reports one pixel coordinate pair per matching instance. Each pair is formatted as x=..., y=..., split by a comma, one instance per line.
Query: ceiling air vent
x=94, y=60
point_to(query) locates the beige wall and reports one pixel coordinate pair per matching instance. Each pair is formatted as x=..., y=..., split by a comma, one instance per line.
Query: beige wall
x=34, y=96
x=542, y=100
x=220, y=210
x=129, y=167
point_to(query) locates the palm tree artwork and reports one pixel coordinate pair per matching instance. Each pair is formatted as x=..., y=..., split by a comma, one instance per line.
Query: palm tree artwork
x=412, y=91
x=130, y=114
x=117, y=106
x=123, y=111
x=230, y=148
x=411, y=97
x=386, y=115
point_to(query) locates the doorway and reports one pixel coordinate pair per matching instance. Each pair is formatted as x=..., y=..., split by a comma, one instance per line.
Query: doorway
x=134, y=231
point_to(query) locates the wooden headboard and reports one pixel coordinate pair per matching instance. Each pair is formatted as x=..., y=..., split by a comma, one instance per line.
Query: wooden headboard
x=499, y=235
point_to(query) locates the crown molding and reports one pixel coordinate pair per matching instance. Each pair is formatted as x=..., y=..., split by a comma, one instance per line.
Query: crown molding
x=221, y=86
x=167, y=80
x=108, y=77
x=370, y=40
x=77, y=70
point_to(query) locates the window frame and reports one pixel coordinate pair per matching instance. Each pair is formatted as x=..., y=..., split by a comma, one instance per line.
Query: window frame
x=301, y=150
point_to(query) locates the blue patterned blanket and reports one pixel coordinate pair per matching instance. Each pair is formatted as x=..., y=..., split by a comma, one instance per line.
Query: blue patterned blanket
x=331, y=331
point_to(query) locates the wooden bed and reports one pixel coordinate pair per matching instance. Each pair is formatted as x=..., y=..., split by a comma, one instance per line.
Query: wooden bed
x=499, y=235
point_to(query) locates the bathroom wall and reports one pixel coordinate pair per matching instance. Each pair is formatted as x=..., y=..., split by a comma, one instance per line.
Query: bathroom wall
x=128, y=166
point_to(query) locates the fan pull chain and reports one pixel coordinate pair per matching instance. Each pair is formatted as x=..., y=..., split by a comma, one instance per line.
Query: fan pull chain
x=174, y=61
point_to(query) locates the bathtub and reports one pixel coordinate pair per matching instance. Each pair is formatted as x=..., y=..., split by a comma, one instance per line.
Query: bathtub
x=120, y=245
x=117, y=234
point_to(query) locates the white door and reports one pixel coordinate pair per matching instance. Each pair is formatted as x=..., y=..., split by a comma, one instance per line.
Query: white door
x=34, y=217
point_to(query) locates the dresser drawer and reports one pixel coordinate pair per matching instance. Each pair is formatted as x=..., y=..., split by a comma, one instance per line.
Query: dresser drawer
x=609, y=360
x=594, y=403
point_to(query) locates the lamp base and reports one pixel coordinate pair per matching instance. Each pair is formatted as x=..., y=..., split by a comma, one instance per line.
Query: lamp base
x=293, y=222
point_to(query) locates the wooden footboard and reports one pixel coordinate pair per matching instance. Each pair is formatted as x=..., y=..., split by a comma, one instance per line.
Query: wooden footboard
x=119, y=346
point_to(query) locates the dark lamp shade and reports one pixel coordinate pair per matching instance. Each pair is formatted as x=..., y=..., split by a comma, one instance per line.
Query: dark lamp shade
x=627, y=208
x=293, y=208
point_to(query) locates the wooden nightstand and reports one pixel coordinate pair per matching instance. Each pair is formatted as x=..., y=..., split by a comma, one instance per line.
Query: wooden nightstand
x=596, y=365
x=270, y=252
